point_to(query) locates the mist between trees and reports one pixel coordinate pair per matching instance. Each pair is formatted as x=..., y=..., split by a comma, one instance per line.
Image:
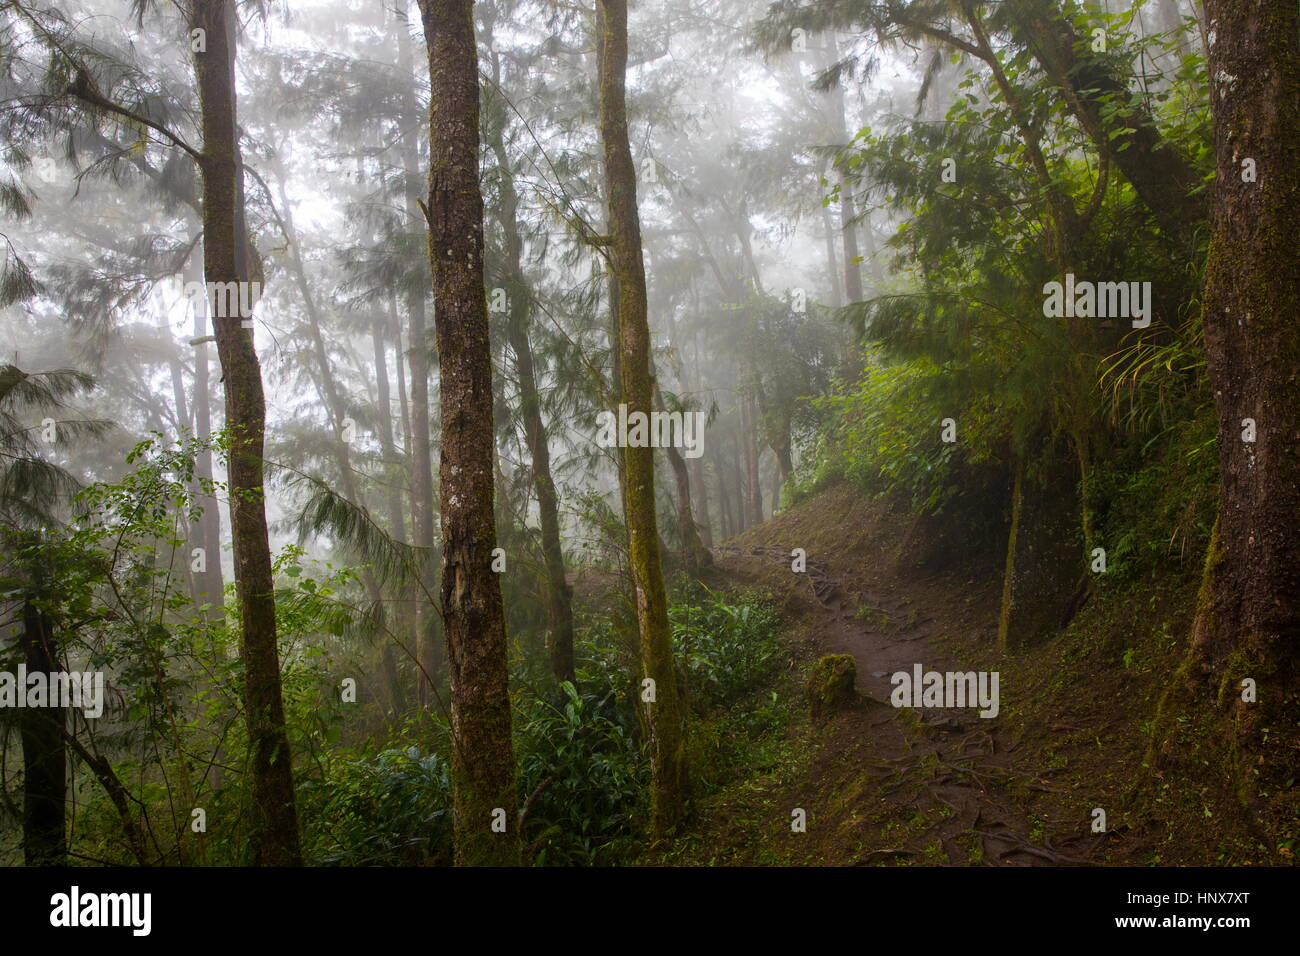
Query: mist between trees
x=381, y=379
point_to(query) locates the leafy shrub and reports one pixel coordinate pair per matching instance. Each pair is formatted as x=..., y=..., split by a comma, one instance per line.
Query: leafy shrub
x=579, y=761
x=582, y=778
x=391, y=810
x=723, y=650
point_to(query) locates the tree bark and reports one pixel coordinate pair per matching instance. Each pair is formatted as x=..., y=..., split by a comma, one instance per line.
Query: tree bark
x=45, y=755
x=1248, y=616
x=226, y=258
x=483, y=765
x=668, y=779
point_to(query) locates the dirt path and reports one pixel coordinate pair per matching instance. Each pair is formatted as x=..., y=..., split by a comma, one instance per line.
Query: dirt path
x=927, y=785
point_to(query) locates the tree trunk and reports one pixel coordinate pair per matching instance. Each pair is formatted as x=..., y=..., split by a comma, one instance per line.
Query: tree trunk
x=418, y=345
x=848, y=208
x=832, y=262
x=668, y=780
x=1044, y=563
x=1248, y=616
x=396, y=521
x=753, y=488
x=483, y=764
x=697, y=464
x=559, y=598
x=274, y=837
x=743, y=518
x=694, y=555
x=207, y=534
x=702, y=496
x=45, y=755
x=725, y=526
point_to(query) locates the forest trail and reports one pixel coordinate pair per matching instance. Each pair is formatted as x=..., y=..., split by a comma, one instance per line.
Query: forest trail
x=883, y=784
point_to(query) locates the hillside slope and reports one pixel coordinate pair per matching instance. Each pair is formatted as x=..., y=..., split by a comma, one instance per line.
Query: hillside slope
x=886, y=785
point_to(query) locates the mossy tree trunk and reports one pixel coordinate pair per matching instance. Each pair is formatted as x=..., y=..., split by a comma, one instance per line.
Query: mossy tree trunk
x=227, y=258
x=483, y=765
x=668, y=777
x=1248, y=618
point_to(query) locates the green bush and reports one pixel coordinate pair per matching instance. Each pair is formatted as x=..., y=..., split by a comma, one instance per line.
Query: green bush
x=723, y=650
x=391, y=810
x=582, y=776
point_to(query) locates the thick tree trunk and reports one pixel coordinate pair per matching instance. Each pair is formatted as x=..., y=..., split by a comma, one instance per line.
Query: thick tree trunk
x=694, y=555
x=483, y=764
x=1248, y=619
x=45, y=755
x=668, y=780
x=274, y=837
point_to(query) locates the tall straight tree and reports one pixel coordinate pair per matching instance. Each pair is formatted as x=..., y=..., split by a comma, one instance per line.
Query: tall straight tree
x=559, y=596
x=668, y=779
x=483, y=763
x=227, y=259
x=1249, y=615
x=558, y=593
x=418, y=357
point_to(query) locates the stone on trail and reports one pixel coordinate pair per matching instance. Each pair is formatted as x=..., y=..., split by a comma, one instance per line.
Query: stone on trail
x=830, y=685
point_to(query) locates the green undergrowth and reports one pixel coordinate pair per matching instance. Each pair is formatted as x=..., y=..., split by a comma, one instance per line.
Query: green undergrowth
x=582, y=777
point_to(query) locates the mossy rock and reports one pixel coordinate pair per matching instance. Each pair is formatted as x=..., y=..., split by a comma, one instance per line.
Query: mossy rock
x=831, y=684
